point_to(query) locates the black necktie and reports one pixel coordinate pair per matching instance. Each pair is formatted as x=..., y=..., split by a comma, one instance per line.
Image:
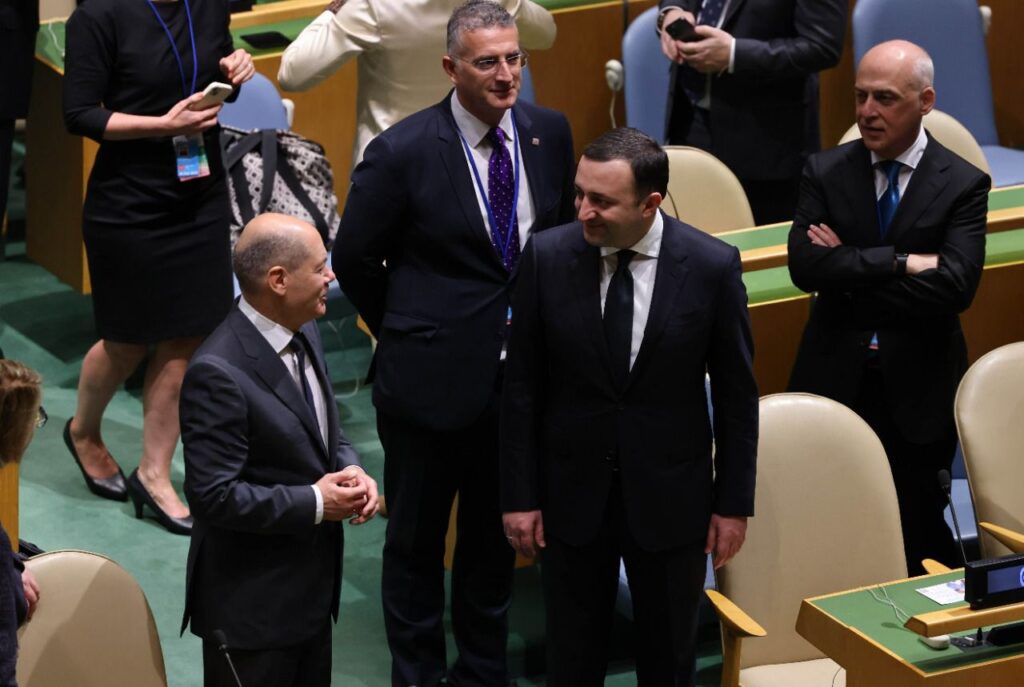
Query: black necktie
x=618, y=317
x=299, y=346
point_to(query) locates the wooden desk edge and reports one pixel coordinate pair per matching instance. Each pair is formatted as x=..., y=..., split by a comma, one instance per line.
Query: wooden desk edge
x=947, y=620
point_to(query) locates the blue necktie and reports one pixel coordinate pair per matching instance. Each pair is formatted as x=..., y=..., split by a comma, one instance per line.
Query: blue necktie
x=618, y=317
x=500, y=192
x=890, y=199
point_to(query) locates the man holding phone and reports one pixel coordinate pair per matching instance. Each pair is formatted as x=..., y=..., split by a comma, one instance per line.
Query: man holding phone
x=744, y=87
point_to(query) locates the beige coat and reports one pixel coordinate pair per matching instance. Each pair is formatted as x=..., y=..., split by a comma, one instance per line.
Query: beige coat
x=399, y=44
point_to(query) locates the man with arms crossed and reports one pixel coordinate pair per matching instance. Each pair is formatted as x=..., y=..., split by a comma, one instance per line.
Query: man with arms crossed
x=269, y=475
x=436, y=216
x=606, y=442
x=890, y=231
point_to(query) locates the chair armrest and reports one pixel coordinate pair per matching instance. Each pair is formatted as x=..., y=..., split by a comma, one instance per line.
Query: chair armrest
x=1012, y=540
x=932, y=566
x=736, y=625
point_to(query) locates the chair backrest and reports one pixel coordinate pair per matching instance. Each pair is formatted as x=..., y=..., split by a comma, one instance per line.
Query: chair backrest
x=953, y=34
x=92, y=627
x=989, y=408
x=825, y=519
x=949, y=133
x=259, y=106
x=526, y=91
x=703, y=192
x=646, y=76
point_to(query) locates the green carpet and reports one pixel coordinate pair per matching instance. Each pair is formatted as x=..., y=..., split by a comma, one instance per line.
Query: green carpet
x=49, y=327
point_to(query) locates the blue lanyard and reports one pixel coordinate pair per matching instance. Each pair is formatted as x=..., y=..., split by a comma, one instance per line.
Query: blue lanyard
x=174, y=48
x=504, y=248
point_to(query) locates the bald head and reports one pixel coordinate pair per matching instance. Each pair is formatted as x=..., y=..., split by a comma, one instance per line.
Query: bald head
x=893, y=92
x=267, y=241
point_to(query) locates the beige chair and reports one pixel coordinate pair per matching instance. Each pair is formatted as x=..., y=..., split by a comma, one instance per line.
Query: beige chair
x=703, y=192
x=93, y=626
x=949, y=133
x=990, y=419
x=826, y=520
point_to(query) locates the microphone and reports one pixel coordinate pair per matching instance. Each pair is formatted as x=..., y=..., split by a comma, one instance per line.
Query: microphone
x=946, y=483
x=222, y=645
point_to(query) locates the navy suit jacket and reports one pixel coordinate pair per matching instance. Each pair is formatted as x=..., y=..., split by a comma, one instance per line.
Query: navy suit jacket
x=765, y=113
x=564, y=424
x=414, y=256
x=258, y=567
x=922, y=352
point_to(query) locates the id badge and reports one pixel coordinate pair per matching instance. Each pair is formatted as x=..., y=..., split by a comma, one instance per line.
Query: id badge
x=190, y=156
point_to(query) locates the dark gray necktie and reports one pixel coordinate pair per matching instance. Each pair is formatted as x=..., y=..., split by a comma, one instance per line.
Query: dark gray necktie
x=300, y=347
x=618, y=317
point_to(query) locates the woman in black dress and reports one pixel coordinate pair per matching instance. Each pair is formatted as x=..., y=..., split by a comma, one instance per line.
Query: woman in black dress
x=155, y=220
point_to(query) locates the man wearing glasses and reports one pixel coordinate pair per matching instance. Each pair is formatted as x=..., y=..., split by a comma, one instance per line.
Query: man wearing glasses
x=437, y=214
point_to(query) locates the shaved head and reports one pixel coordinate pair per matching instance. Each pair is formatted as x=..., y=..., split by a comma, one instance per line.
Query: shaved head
x=902, y=59
x=269, y=240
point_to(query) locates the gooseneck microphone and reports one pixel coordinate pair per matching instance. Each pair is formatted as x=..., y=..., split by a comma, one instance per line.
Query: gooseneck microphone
x=946, y=482
x=222, y=646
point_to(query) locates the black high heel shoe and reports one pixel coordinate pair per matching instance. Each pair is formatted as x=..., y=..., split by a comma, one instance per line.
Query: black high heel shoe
x=140, y=495
x=113, y=487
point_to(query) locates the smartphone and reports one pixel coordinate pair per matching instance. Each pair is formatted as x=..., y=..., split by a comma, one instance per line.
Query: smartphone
x=266, y=40
x=214, y=94
x=683, y=30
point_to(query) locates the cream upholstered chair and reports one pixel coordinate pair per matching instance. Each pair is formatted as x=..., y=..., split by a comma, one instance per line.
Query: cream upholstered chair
x=949, y=133
x=989, y=412
x=825, y=519
x=92, y=627
x=703, y=192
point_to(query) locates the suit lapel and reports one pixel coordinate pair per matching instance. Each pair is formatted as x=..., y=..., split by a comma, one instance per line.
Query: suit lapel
x=670, y=274
x=268, y=366
x=863, y=201
x=585, y=275
x=927, y=182
x=730, y=12
x=530, y=147
x=453, y=158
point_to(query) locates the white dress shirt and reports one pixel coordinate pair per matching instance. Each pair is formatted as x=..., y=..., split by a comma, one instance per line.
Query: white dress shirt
x=643, y=267
x=911, y=158
x=280, y=338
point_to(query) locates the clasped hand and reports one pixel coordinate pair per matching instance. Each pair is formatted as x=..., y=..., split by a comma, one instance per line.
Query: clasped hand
x=349, y=493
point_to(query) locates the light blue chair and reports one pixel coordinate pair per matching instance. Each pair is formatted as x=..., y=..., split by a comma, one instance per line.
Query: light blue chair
x=953, y=34
x=259, y=106
x=647, y=73
x=526, y=92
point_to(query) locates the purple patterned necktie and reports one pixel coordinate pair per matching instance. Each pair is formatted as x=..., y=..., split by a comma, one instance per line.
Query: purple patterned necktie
x=500, y=192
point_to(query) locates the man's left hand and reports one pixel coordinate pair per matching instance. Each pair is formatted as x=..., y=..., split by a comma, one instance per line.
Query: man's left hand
x=725, y=537
x=238, y=67
x=31, y=588
x=357, y=476
x=822, y=235
x=711, y=54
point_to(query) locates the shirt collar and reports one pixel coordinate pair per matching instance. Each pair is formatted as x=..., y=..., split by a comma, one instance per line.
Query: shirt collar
x=277, y=335
x=472, y=129
x=649, y=244
x=911, y=157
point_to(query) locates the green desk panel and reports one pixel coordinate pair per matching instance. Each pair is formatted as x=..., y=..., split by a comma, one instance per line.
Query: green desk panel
x=878, y=621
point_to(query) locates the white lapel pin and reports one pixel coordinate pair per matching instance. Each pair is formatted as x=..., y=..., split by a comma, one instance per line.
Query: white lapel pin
x=535, y=141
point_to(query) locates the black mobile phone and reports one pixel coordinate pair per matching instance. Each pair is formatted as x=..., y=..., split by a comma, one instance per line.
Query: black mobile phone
x=266, y=40
x=682, y=30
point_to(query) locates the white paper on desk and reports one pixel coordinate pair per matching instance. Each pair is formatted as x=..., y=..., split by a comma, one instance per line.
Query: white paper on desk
x=946, y=593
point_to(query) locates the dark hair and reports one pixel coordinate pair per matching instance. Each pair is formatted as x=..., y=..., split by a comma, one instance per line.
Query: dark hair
x=645, y=157
x=473, y=15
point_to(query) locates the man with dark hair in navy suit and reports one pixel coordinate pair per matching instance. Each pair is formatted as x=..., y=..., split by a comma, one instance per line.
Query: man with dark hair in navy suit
x=269, y=475
x=437, y=214
x=890, y=232
x=606, y=442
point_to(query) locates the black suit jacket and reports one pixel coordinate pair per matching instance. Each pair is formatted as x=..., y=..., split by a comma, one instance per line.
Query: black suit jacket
x=764, y=115
x=921, y=346
x=258, y=567
x=19, y=22
x=564, y=424
x=415, y=258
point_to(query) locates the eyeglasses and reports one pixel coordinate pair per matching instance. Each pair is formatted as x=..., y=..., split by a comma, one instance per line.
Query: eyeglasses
x=41, y=418
x=485, y=65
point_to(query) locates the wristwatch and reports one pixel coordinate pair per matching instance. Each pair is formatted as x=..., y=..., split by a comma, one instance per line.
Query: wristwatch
x=900, y=265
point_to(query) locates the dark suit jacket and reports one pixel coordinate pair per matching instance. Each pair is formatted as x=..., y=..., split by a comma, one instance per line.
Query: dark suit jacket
x=921, y=346
x=438, y=307
x=258, y=568
x=564, y=424
x=19, y=22
x=764, y=115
